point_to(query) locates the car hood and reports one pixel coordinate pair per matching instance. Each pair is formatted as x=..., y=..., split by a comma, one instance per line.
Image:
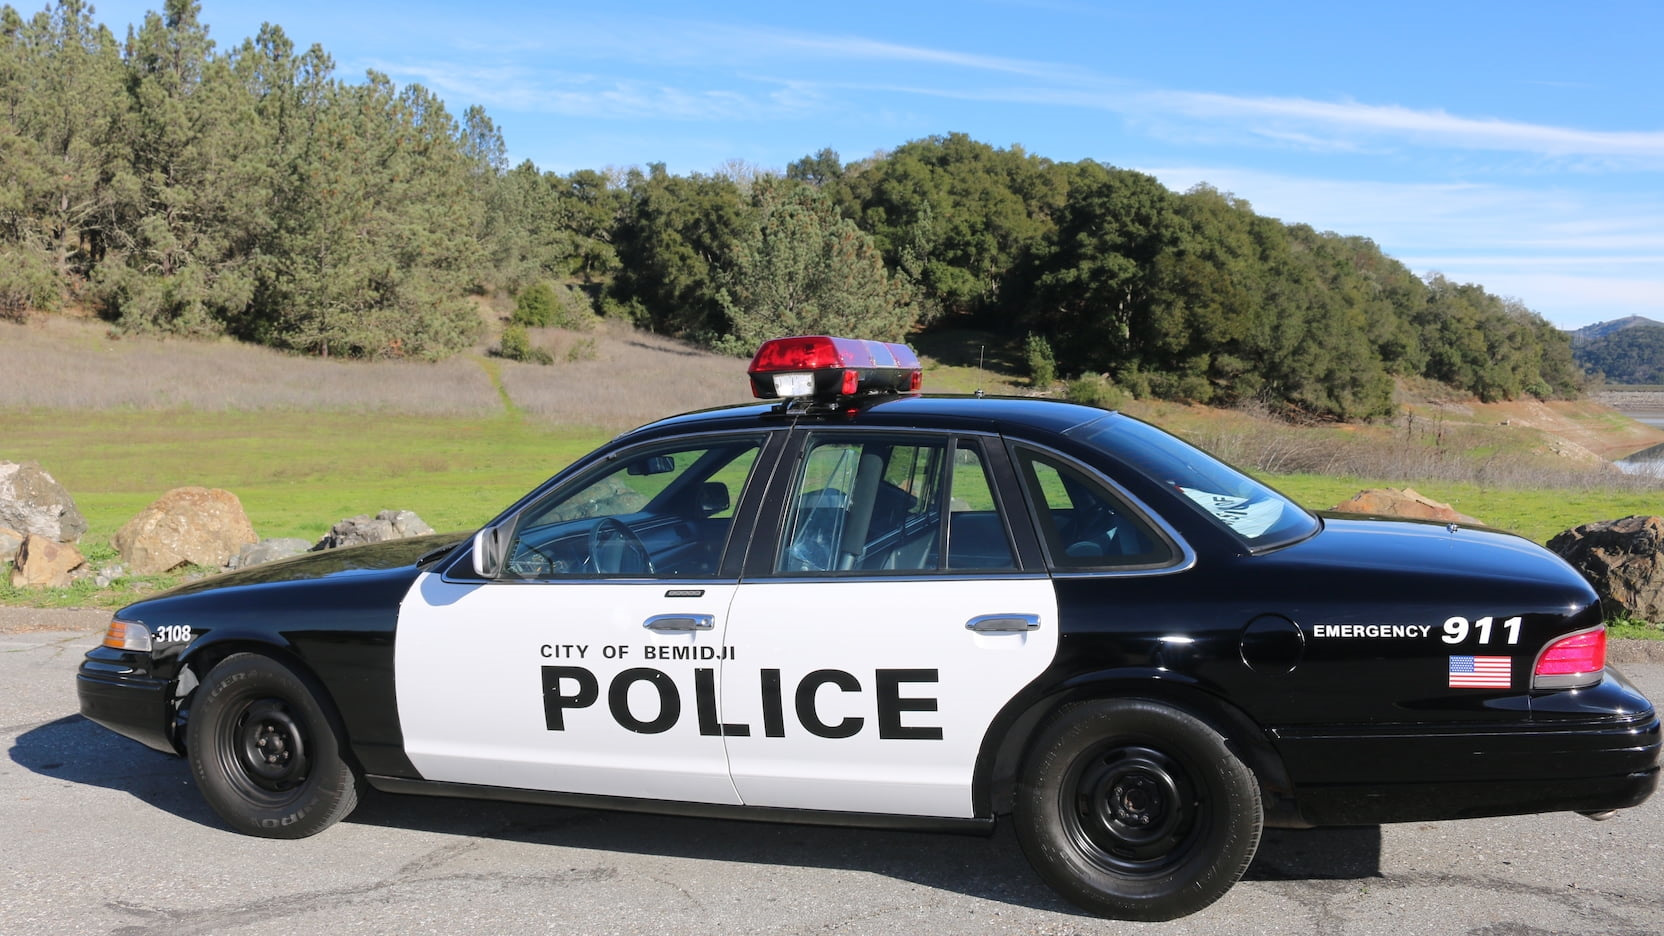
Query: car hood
x=325, y=564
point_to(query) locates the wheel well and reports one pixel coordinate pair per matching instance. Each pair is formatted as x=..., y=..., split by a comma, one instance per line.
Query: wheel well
x=1242, y=735
x=203, y=660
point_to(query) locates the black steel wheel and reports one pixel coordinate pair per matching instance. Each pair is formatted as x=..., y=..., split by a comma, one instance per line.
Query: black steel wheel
x=1137, y=810
x=265, y=754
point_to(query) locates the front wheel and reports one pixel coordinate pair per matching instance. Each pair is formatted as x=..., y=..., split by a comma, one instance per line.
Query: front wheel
x=265, y=754
x=1137, y=810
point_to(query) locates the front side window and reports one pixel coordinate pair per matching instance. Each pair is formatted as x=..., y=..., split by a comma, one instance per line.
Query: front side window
x=891, y=503
x=663, y=511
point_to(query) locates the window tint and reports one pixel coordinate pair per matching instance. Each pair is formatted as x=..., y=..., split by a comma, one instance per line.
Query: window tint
x=659, y=512
x=1083, y=523
x=887, y=503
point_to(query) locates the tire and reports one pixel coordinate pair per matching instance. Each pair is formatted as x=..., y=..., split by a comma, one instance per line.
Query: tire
x=266, y=755
x=1136, y=810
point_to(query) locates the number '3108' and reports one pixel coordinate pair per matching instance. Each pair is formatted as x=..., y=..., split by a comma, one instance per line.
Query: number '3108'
x=181, y=633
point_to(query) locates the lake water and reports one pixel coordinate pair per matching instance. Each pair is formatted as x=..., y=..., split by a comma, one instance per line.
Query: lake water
x=1647, y=461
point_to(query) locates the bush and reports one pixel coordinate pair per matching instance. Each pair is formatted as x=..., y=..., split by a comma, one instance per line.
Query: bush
x=1095, y=390
x=27, y=281
x=516, y=345
x=545, y=305
x=1042, y=364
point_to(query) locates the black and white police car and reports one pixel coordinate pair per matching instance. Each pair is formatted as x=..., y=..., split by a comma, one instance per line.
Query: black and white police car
x=863, y=606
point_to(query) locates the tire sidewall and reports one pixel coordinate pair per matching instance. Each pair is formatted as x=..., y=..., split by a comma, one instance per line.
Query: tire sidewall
x=1229, y=818
x=329, y=790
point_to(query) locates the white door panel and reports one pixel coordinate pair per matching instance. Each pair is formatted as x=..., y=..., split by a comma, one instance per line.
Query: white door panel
x=559, y=686
x=874, y=696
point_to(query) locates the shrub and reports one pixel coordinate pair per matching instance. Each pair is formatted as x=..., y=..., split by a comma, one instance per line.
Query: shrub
x=545, y=305
x=27, y=281
x=1042, y=364
x=516, y=345
x=1095, y=390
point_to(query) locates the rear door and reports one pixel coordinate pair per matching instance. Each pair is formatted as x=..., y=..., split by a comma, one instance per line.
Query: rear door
x=886, y=627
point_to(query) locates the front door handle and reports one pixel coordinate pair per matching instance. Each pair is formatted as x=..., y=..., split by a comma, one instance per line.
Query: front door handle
x=1003, y=623
x=679, y=623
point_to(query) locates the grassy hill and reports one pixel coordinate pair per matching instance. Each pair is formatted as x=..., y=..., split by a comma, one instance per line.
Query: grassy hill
x=306, y=442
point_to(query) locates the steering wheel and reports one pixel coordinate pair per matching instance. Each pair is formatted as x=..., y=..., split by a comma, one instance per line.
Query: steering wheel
x=615, y=549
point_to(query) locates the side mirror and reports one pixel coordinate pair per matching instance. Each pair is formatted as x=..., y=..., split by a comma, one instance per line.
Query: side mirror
x=490, y=546
x=713, y=498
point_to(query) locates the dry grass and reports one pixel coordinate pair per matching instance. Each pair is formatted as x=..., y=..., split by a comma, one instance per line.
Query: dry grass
x=633, y=378
x=1415, y=450
x=66, y=364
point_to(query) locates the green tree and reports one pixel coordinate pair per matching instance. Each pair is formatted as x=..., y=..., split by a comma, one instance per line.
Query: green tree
x=674, y=240
x=802, y=268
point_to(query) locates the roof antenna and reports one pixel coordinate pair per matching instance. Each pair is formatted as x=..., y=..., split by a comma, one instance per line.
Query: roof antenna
x=979, y=376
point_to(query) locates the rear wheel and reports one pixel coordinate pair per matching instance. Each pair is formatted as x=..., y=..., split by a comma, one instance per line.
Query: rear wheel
x=1137, y=810
x=265, y=754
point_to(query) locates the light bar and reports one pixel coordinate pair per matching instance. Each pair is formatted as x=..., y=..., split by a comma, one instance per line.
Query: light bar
x=824, y=368
x=1572, y=661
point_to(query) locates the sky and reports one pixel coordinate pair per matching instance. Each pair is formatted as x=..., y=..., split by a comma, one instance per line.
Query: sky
x=1517, y=145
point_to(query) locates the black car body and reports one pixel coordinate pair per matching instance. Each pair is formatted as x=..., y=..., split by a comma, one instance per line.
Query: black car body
x=905, y=610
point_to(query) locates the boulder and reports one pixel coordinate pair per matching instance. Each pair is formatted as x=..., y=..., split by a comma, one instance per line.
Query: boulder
x=31, y=501
x=1623, y=560
x=1391, y=502
x=10, y=540
x=268, y=550
x=205, y=526
x=44, y=563
x=362, y=529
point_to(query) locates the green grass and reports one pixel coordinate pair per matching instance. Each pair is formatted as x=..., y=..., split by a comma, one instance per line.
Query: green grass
x=296, y=473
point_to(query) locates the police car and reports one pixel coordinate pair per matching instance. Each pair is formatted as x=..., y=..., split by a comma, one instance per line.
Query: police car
x=857, y=605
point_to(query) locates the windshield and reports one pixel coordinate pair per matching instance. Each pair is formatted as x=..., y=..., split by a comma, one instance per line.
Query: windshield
x=1256, y=514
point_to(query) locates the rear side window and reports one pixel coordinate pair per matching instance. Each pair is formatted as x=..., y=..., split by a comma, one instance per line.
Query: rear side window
x=1084, y=524
x=884, y=502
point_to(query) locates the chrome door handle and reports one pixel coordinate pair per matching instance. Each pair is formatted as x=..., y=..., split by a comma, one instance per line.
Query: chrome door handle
x=676, y=623
x=1003, y=623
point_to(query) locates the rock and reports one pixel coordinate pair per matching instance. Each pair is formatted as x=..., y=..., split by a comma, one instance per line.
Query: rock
x=1389, y=502
x=44, y=563
x=32, y=502
x=268, y=550
x=362, y=529
x=10, y=540
x=1623, y=560
x=205, y=526
x=107, y=575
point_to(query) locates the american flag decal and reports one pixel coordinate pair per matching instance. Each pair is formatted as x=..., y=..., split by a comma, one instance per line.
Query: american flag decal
x=1481, y=672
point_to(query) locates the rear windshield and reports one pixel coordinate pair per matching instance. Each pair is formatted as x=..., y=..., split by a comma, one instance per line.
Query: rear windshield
x=1254, y=513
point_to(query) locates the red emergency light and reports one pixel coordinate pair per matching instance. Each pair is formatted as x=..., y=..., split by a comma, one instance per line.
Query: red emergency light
x=820, y=367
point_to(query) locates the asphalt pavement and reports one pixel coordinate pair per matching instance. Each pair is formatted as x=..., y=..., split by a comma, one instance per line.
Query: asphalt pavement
x=99, y=834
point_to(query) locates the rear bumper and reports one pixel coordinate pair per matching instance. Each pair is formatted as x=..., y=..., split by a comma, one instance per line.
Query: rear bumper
x=124, y=699
x=1589, y=751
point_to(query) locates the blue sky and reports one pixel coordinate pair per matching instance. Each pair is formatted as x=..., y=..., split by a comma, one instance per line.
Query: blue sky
x=1519, y=145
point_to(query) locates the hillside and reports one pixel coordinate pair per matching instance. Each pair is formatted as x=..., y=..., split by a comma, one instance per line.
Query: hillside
x=1625, y=351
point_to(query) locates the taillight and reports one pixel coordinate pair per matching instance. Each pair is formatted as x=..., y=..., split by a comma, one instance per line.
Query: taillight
x=127, y=635
x=1572, y=661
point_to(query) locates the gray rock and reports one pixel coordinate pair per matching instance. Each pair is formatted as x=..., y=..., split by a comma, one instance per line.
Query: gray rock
x=363, y=529
x=10, y=542
x=32, y=502
x=106, y=576
x=268, y=550
x=1623, y=560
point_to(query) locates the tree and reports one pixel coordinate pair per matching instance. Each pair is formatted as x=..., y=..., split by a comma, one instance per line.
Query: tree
x=800, y=268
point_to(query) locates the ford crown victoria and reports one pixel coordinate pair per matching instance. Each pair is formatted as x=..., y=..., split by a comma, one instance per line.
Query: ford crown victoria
x=856, y=604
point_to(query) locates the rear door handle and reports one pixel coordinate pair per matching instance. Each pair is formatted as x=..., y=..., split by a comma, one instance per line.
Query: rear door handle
x=677, y=623
x=1003, y=623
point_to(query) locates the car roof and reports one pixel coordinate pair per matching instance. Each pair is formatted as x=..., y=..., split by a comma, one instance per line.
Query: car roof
x=911, y=410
